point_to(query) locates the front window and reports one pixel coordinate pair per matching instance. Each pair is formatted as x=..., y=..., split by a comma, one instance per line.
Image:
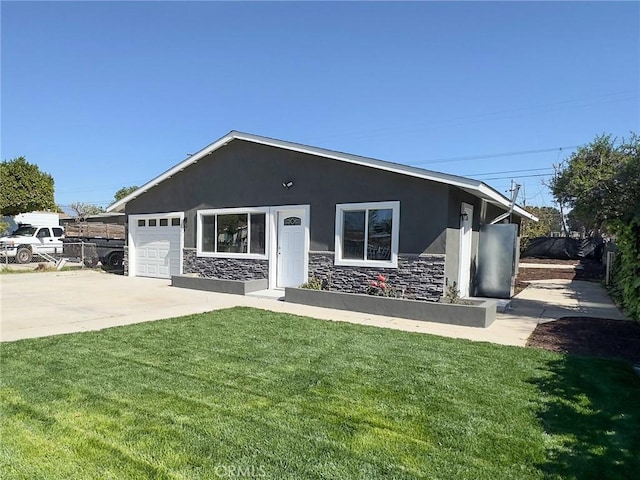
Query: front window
x=367, y=233
x=25, y=231
x=230, y=233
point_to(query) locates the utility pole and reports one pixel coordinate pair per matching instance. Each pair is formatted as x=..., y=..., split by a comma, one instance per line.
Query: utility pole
x=563, y=220
x=515, y=188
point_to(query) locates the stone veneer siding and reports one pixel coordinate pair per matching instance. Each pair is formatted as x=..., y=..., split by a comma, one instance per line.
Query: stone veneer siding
x=224, y=268
x=125, y=260
x=421, y=276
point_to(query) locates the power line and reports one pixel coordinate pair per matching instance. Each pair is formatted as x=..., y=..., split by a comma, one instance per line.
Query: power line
x=95, y=203
x=508, y=171
x=519, y=176
x=493, y=155
x=497, y=115
x=86, y=188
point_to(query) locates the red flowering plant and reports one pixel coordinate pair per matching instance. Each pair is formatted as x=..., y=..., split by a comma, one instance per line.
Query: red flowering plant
x=380, y=287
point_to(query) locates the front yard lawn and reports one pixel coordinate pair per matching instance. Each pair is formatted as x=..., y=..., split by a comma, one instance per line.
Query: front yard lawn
x=245, y=393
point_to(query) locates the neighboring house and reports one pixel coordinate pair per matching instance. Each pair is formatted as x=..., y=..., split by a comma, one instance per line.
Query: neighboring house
x=248, y=207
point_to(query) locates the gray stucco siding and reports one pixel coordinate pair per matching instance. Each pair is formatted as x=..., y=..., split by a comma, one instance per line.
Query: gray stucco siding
x=244, y=174
x=452, y=265
x=493, y=211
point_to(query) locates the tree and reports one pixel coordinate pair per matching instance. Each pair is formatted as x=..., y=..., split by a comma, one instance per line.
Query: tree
x=24, y=188
x=4, y=228
x=549, y=220
x=601, y=181
x=124, y=191
x=83, y=210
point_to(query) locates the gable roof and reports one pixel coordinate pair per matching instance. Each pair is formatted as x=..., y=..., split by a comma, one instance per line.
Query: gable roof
x=474, y=187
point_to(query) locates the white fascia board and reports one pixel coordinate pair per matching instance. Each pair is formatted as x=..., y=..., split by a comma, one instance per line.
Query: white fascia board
x=523, y=213
x=497, y=197
x=359, y=160
x=474, y=186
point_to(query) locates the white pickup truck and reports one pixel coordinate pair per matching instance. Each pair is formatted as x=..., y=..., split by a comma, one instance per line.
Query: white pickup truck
x=29, y=240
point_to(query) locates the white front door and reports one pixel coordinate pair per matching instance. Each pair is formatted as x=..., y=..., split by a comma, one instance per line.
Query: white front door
x=464, y=275
x=291, y=249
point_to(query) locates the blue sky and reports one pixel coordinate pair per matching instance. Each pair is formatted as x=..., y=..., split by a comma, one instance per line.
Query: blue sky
x=109, y=94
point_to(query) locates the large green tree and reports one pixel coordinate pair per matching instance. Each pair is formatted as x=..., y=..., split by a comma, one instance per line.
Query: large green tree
x=601, y=181
x=24, y=188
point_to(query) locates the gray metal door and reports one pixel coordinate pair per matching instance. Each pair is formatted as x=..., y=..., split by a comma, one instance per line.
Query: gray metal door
x=497, y=250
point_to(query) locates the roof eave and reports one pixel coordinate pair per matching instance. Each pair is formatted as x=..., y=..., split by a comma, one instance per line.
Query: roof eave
x=501, y=200
x=120, y=205
x=461, y=182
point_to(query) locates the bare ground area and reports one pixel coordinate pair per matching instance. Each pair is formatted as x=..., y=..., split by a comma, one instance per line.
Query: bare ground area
x=595, y=337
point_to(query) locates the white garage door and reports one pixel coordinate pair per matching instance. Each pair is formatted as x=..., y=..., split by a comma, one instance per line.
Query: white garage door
x=157, y=245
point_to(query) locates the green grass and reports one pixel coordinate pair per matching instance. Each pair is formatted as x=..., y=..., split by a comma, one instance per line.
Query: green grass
x=245, y=393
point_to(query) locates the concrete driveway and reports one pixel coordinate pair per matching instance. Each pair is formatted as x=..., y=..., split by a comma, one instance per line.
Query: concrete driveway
x=51, y=303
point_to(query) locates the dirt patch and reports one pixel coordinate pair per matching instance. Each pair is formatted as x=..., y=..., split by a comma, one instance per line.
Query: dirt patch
x=594, y=337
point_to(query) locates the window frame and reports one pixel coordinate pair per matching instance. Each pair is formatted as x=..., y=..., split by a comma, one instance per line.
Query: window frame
x=394, y=206
x=46, y=234
x=232, y=211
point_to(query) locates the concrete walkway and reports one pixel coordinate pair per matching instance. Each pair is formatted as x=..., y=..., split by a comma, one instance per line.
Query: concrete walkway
x=553, y=299
x=42, y=304
x=552, y=266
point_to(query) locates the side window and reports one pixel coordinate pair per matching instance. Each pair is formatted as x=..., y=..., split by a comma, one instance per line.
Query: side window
x=43, y=233
x=58, y=232
x=367, y=234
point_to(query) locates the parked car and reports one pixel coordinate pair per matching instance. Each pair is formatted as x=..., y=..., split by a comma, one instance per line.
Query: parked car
x=30, y=240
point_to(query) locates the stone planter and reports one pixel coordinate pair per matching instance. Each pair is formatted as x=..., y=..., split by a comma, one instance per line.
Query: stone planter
x=236, y=287
x=480, y=314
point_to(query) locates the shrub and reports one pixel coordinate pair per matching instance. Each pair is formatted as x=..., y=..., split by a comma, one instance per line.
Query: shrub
x=625, y=281
x=314, y=283
x=380, y=287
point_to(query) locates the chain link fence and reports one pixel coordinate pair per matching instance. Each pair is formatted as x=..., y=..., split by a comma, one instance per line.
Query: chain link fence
x=81, y=252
